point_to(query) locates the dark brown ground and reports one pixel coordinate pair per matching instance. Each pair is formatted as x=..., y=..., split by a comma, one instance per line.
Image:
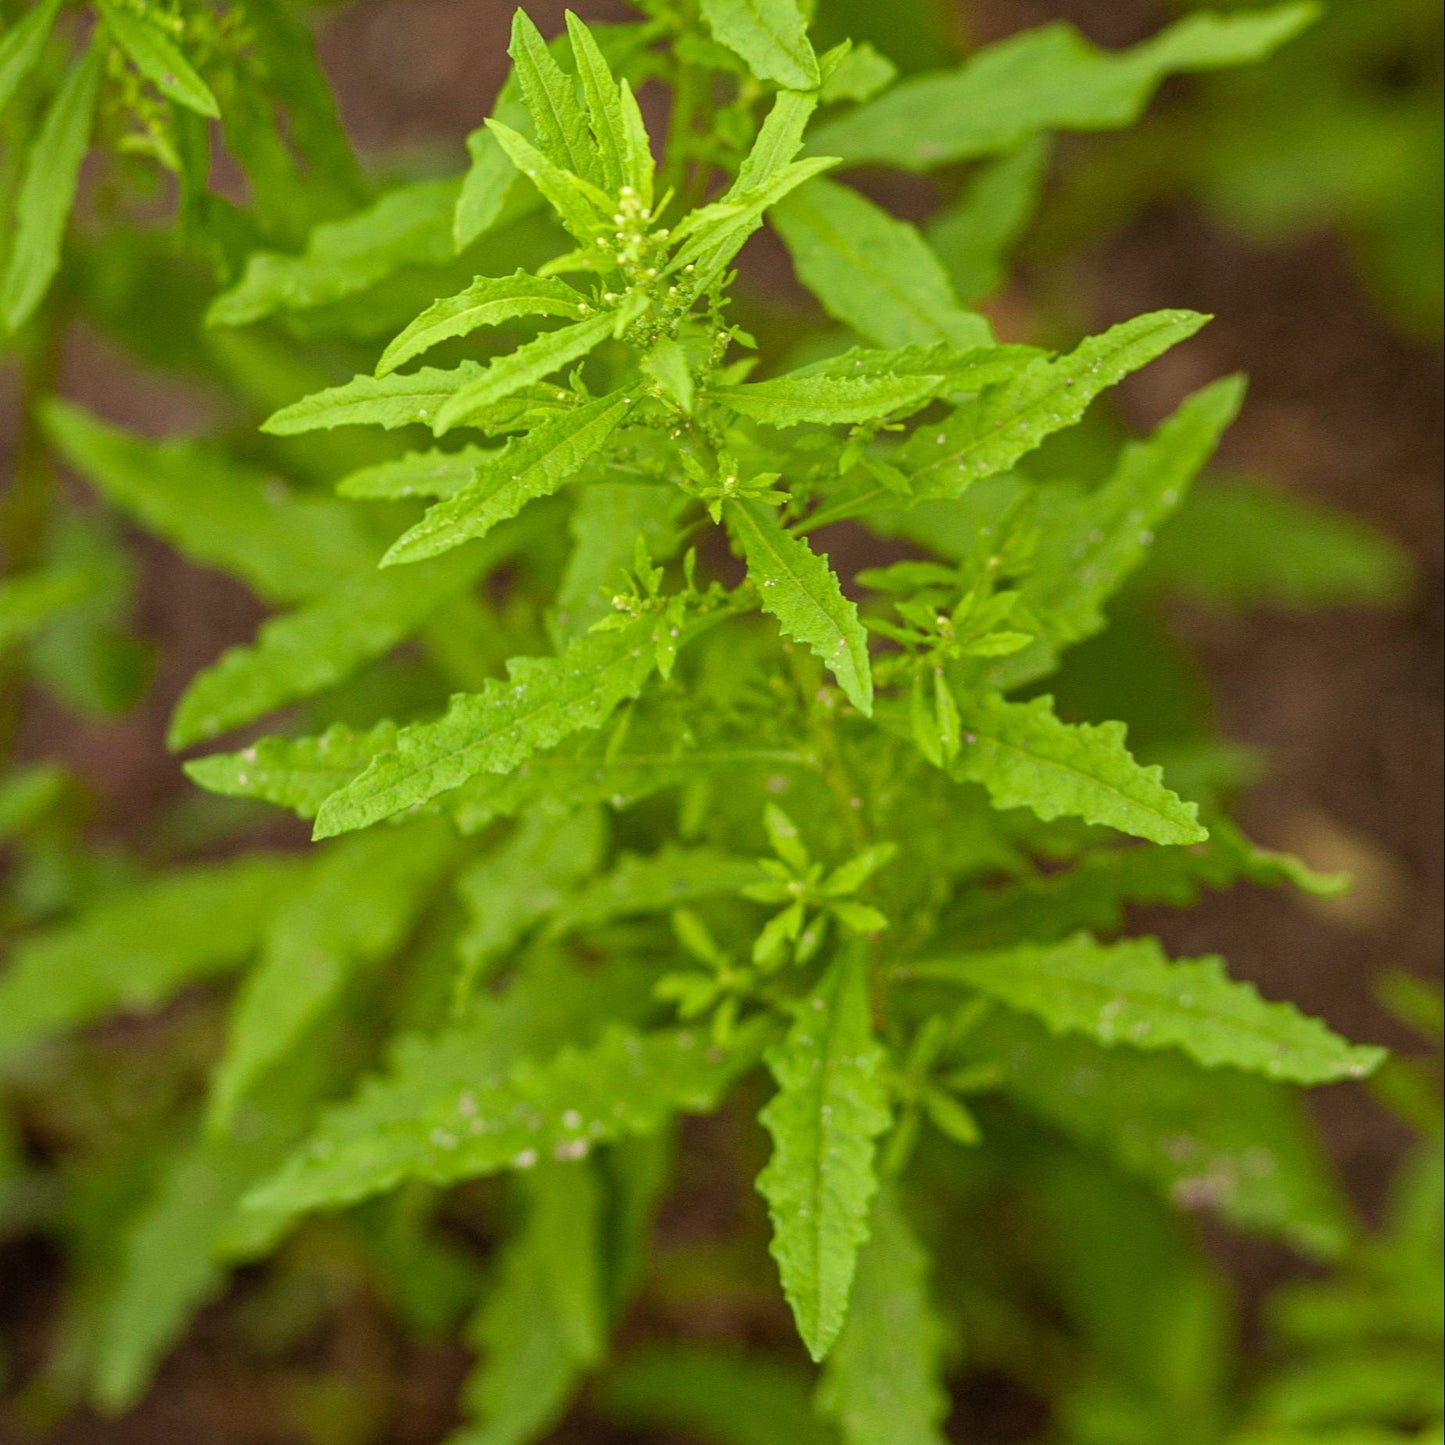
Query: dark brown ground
x=1346, y=704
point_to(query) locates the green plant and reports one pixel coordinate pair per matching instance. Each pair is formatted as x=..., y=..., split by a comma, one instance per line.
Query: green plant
x=630, y=810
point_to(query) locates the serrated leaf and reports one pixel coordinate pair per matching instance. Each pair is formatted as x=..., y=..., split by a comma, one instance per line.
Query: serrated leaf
x=389, y=401
x=1238, y=544
x=799, y=588
x=973, y=236
x=541, y=1326
x=433, y=473
x=828, y=401
x=488, y=301
x=133, y=952
x=295, y=773
x=626, y=1083
x=779, y=139
x=830, y=1106
x=721, y=1394
x=22, y=46
x=356, y=907
x=1027, y=758
x=1049, y=78
x=1087, y=550
x=544, y=700
x=872, y=271
x=655, y=883
x=1131, y=993
x=531, y=467
x=1218, y=1139
x=408, y=226
x=175, y=1250
x=158, y=58
x=770, y=35
x=607, y=118
x=988, y=435
x=882, y=1380
x=551, y=98
x=47, y=192
x=29, y=600
x=530, y=363
x=509, y=890
x=211, y=509
x=582, y=208
x=302, y=653
x=607, y=521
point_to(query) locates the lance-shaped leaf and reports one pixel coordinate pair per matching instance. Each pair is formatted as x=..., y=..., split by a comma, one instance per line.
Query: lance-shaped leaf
x=779, y=140
x=530, y=467
x=657, y=883
x=830, y=1106
x=800, y=589
x=1049, y=78
x=417, y=474
x=771, y=35
x=1096, y=892
x=388, y=401
x=213, y=510
x=582, y=208
x=1210, y=1138
x=305, y=652
x=988, y=435
x=357, y=906
x=872, y=271
x=1130, y=993
x=551, y=98
x=716, y=233
x=829, y=400
x=158, y=58
x=973, y=237
x=541, y=1327
x=883, y=1378
x=408, y=226
x=52, y=171
x=23, y=44
x=1027, y=758
x=135, y=951
x=612, y=116
x=175, y=1250
x=544, y=700
x=488, y=301
x=1089, y=548
x=509, y=374
x=295, y=773
x=626, y=1083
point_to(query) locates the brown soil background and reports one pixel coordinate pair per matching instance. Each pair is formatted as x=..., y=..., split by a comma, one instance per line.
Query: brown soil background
x=1346, y=704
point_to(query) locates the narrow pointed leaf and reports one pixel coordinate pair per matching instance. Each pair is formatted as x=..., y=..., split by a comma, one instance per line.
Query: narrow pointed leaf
x=1130, y=993
x=872, y=271
x=551, y=97
x=295, y=773
x=581, y=207
x=408, y=226
x=158, y=58
x=417, y=474
x=1049, y=78
x=1027, y=758
x=286, y=548
x=989, y=435
x=135, y=951
x=532, y=467
x=488, y=301
x=389, y=401
x=829, y=401
x=357, y=906
x=779, y=140
x=799, y=588
x=771, y=35
x=23, y=44
x=830, y=1106
x=626, y=1083
x=509, y=374
x=606, y=111
x=47, y=193
x=882, y=1381
x=544, y=700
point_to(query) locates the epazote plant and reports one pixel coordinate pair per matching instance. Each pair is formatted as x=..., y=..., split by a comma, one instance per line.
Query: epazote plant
x=696, y=821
